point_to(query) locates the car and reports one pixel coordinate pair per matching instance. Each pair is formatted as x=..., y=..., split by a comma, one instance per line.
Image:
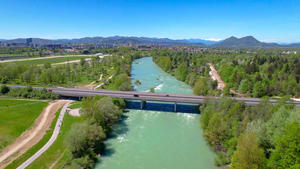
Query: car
x=167, y=95
x=49, y=90
x=135, y=95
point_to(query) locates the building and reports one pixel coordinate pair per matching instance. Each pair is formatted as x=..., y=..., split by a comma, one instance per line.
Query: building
x=29, y=41
x=53, y=46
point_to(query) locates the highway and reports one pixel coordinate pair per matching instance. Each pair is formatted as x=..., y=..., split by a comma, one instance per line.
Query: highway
x=146, y=96
x=51, y=140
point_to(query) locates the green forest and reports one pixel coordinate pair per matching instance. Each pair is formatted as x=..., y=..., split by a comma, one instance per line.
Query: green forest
x=262, y=136
x=259, y=74
x=70, y=75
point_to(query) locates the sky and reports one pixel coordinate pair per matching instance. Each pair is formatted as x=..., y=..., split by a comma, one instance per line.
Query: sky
x=266, y=20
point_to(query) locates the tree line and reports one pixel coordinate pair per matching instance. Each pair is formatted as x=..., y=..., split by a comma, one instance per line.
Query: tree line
x=27, y=92
x=262, y=136
x=85, y=139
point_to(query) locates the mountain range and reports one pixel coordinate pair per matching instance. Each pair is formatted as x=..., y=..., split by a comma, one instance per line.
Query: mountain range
x=244, y=42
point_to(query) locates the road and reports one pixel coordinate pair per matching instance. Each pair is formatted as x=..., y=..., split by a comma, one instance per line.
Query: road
x=145, y=96
x=40, y=58
x=72, y=61
x=51, y=141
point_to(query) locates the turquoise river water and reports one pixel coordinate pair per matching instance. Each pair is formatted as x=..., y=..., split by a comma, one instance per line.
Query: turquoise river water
x=154, y=139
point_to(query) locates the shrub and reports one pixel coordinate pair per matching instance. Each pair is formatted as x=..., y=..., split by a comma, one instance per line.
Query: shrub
x=4, y=89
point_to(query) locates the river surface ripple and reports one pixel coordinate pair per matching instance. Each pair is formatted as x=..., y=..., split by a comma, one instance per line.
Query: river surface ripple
x=154, y=139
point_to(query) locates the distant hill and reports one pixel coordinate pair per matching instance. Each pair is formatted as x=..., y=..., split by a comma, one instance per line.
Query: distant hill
x=293, y=45
x=114, y=40
x=244, y=42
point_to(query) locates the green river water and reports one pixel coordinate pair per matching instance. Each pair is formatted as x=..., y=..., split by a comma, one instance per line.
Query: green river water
x=154, y=139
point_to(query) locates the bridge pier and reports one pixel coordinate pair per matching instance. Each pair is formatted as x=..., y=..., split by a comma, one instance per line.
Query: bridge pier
x=143, y=103
x=175, y=107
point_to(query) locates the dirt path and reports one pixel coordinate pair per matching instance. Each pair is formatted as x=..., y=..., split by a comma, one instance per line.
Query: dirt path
x=215, y=76
x=221, y=84
x=93, y=85
x=50, y=141
x=103, y=83
x=31, y=136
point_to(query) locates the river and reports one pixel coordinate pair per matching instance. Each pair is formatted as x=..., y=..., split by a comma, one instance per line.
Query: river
x=155, y=139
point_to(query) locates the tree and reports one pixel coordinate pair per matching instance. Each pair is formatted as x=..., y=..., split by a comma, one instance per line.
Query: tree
x=3, y=79
x=47, y=65
x=125, y=86
x=152, y=90
x=76, y=139
x=258, y=89
x=200, y=87
x=244, y=86
x=82, y=61
x=4, y=89
x=226, y=90
x=248, y=154
x=182, y=72
x=287, y=149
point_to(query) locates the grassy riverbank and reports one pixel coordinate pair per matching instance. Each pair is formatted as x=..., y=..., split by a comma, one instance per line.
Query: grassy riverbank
x=57, y=155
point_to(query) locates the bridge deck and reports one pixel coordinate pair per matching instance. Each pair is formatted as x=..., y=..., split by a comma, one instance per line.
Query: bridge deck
x=144, y=96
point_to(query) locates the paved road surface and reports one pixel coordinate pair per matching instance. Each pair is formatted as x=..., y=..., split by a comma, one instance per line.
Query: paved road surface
x=50, y=142
x=72, y=61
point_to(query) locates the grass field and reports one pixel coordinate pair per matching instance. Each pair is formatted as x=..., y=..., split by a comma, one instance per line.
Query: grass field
x=75, y=105
x=58, y=152
x=49, y=60
x=36, y=147
x=16, y=116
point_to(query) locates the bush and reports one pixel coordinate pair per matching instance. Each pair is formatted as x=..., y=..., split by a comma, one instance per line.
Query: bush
x=29, y=92
x=4, y=89
x=220, y=159
x=3, y=79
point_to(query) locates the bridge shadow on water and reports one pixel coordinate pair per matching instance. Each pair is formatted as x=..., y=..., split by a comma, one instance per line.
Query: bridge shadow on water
x=121, y=128
x=165, y=107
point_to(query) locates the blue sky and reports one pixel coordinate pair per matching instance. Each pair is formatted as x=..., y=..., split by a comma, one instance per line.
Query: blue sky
x=267, y=20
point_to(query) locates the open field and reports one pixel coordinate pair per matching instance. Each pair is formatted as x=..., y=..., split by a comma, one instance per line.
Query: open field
x=44, y=60
x=32, y=135
x=15, y=117
x=57, y=155
x=36, y=147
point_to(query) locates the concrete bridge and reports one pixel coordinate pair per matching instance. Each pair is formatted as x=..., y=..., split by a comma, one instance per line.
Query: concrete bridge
x=146, y=96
